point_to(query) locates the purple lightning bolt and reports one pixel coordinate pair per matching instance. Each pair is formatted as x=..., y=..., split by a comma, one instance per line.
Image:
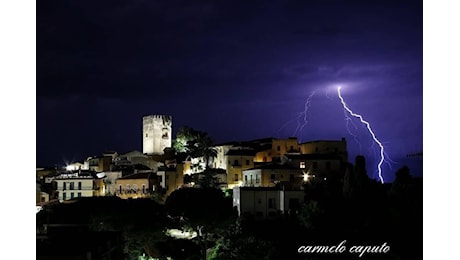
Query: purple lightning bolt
x=303, y=114
x=382, y=156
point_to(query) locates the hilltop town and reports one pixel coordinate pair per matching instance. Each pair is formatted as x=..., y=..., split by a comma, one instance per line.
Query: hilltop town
x=242, y=186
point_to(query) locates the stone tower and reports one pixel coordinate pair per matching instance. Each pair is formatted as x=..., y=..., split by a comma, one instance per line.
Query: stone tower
x=156, y=133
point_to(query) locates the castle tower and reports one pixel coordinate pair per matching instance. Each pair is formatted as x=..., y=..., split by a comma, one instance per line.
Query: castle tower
x=156, y=134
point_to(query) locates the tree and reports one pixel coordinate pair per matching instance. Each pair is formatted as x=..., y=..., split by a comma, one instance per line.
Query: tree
x=235, y=244
x=202, y=147
x=197, y=144
x=205, y=211
x=183, y=136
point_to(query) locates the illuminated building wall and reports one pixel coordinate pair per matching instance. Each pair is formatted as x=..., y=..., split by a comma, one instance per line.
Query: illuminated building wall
x=263, y=156
x=282, y=146
x=110, y=181
x=220, y=161
x=156, y=134
x=338, y=147
x=137, y=185
x=317, y=165
x=70, y=187
x=238, y=160
x=272, y=174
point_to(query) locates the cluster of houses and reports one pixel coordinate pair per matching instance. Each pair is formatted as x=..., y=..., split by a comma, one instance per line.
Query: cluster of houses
x=266, y=175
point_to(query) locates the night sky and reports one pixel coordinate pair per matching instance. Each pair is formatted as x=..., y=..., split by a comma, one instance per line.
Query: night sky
x=239, y=70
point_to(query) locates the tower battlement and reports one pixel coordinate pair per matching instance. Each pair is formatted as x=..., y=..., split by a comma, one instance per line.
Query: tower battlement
x=156, y=134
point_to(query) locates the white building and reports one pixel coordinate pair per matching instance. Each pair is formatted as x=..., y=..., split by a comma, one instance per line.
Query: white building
x=264, y=202
x=156, y=134
x=72, y=185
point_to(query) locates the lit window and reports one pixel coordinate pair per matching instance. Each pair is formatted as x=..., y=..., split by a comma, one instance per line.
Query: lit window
x=302, y=165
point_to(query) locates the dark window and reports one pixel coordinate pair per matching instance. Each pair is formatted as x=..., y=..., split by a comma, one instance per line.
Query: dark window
x=245, y=178
x=64, y=186
x=120, y=189
x=265, y=159
x=79, y=185
x=42, y=199
x=79, y=194
x=236, y=177
x=292, y=148
x=71, y=195
x=160, y=178
x=64, y=196
x=72, y=185
x=143, y=188
x=271, y=203
x=247, y=162
x=272, y=176
x=257, y=179
x=235, y=162
x=278, y=148
x=229, y=162
x=316, y=149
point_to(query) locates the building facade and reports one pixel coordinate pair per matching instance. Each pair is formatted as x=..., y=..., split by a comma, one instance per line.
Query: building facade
x=73, y=185
x=137, y=185
x=263, y=202
x=335, y=147
x=156, y=134
x=271, y=175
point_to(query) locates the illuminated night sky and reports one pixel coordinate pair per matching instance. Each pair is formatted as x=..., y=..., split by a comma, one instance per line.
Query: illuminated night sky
x=239, y=70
